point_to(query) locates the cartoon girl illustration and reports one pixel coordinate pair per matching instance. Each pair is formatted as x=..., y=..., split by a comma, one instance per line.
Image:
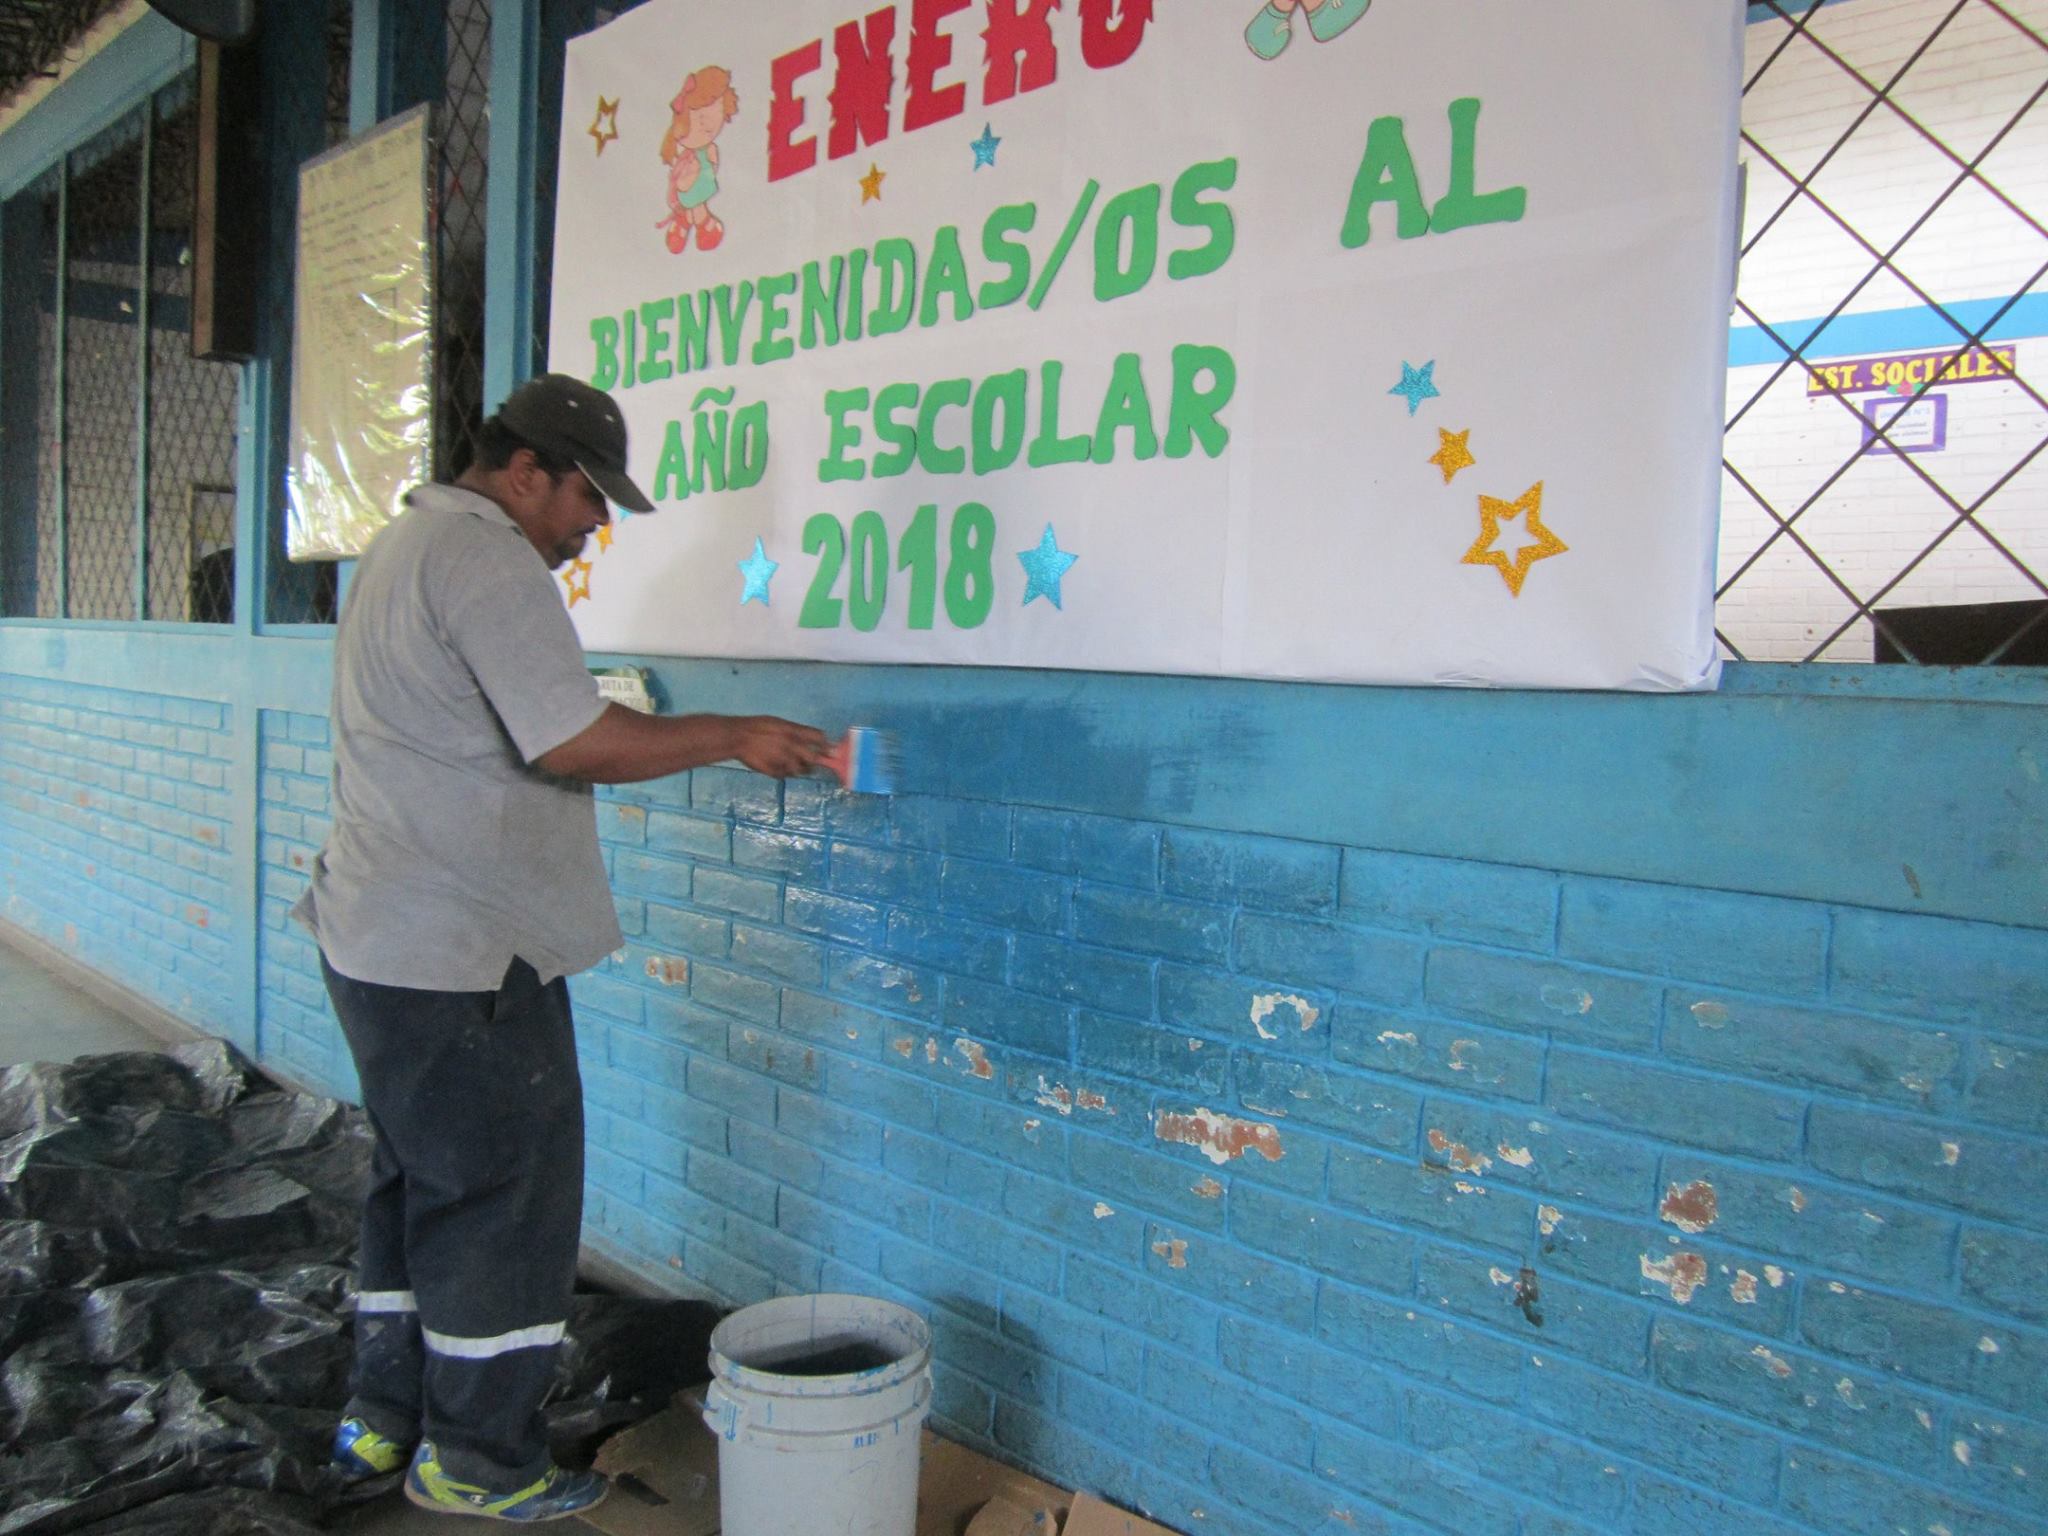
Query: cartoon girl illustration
x=1273, y=28
x=706, y=103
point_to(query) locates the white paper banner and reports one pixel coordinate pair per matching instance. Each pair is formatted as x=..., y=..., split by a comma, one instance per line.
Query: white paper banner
x=1365, y=342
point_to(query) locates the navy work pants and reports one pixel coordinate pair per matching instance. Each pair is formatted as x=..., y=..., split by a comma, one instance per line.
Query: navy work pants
x=474, y=1215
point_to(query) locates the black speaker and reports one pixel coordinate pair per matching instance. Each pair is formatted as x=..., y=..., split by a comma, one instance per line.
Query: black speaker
x=218, y=21
x=230, y=205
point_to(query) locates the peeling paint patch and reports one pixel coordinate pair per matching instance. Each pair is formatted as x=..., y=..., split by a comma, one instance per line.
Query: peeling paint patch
x=931, y=1052
x=1845, y=1389
x=1795, y=1197
x=1104, y=1211
x=978, y=1064
x=1691, y=1209
x=1519, y=1156
x=1264, y=1005
x=1457, y=1061
x=1926, y=1419
x=1774, y=1276
x=1054, y=1096
x=1208, y=1189
x=903, y=1047
x=1547, y=1218
x=1500, y=1276
x=1174, y=1251
x=1951, y=1153
x=1777, y=1367
x=1681, y=1273
x=1962, y=1451
x=1743, y=1291
x=669, y=970
x=1468, y=1189
x=1987, y=1345
x=1566, y=1000
x=1710, y=1015
x=1460, y=1156
x=1032, y=1128
x=1083, y=1099
x=1220, y=1137
x=1396, y=1037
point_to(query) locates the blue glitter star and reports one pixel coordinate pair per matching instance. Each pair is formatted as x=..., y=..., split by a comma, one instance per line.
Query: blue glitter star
x=1045, y=566
x=984, y=147
x=1418, y=384
x=759, y=571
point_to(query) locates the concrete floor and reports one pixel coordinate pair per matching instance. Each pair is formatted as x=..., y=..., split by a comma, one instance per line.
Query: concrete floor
x=45, y=1017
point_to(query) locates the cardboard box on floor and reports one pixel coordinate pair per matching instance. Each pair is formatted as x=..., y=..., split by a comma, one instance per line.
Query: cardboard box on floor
x=665, y=1483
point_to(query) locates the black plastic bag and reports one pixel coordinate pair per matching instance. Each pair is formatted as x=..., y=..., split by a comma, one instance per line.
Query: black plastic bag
x=176, y=1302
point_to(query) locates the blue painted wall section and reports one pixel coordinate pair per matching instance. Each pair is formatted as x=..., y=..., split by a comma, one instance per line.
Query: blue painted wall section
x=299, y=1035
x=115, y=833
x=1297, y=1109
x=1288, y=1182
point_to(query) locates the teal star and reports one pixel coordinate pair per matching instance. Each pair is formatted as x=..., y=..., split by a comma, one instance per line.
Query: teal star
x=759, y=571
x=984, y=147
x=1418, y=384
x=1044, y=566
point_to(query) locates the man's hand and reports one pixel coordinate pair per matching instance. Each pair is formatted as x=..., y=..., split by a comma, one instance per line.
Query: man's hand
x=625, y=747
x=779, y=748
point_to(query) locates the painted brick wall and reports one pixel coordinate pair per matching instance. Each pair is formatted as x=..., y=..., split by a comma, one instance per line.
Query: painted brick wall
x=297, y=1033
x=1271, y=1185
x=116, y=828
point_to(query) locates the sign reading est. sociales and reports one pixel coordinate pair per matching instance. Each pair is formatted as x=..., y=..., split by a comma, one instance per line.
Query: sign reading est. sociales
x=1357, y=340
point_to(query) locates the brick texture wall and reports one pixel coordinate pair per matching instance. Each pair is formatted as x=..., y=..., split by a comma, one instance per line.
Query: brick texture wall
x=116, y=827
x=298, y=1033
x=1271, y=1185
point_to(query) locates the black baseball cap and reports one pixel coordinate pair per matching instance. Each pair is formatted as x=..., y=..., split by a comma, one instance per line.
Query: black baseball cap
x=566, y=418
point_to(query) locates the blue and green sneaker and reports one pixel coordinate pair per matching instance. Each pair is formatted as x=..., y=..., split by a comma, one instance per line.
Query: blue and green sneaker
x=360, y=1452
x=555, y=1495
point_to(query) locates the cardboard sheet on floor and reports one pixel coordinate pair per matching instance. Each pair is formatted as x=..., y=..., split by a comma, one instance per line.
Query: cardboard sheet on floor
x=666, y=1484
x=1091, y=1517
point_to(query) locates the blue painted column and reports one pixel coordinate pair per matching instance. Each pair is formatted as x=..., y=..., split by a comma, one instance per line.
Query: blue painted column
x=399, y=58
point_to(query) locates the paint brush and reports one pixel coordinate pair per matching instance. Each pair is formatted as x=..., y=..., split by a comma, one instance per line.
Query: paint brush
x=863, y=760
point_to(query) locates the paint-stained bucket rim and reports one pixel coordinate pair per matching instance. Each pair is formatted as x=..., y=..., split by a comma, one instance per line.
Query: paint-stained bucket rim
x=907, y=1337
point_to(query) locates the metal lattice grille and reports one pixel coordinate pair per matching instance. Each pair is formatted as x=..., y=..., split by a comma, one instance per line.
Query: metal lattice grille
x=1886, y=493
x=340, y=61
x=119, y=479
x=465, y=133
x=190, y=525
x=102, y=305
x=45, y=216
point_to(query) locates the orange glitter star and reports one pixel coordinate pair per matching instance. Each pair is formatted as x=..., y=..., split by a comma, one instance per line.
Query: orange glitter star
x=605, y=126
x=1492, y=513
x=577, y=580
x=604, y=537
x=1455, y=454
x=871, y=184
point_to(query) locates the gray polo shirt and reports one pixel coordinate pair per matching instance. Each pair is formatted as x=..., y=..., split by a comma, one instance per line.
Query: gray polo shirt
x=455, y=666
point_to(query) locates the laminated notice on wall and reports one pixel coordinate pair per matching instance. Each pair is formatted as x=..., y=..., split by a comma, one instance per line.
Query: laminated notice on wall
x=362, y=353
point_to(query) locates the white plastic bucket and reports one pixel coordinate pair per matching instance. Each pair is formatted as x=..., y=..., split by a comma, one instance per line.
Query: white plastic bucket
x=818, y=1403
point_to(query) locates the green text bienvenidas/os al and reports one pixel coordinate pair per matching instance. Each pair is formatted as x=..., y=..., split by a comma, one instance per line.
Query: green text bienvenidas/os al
x=888, y=287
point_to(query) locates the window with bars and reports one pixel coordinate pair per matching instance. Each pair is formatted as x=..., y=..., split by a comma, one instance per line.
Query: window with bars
x=119, y=445
x=1885, y=493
